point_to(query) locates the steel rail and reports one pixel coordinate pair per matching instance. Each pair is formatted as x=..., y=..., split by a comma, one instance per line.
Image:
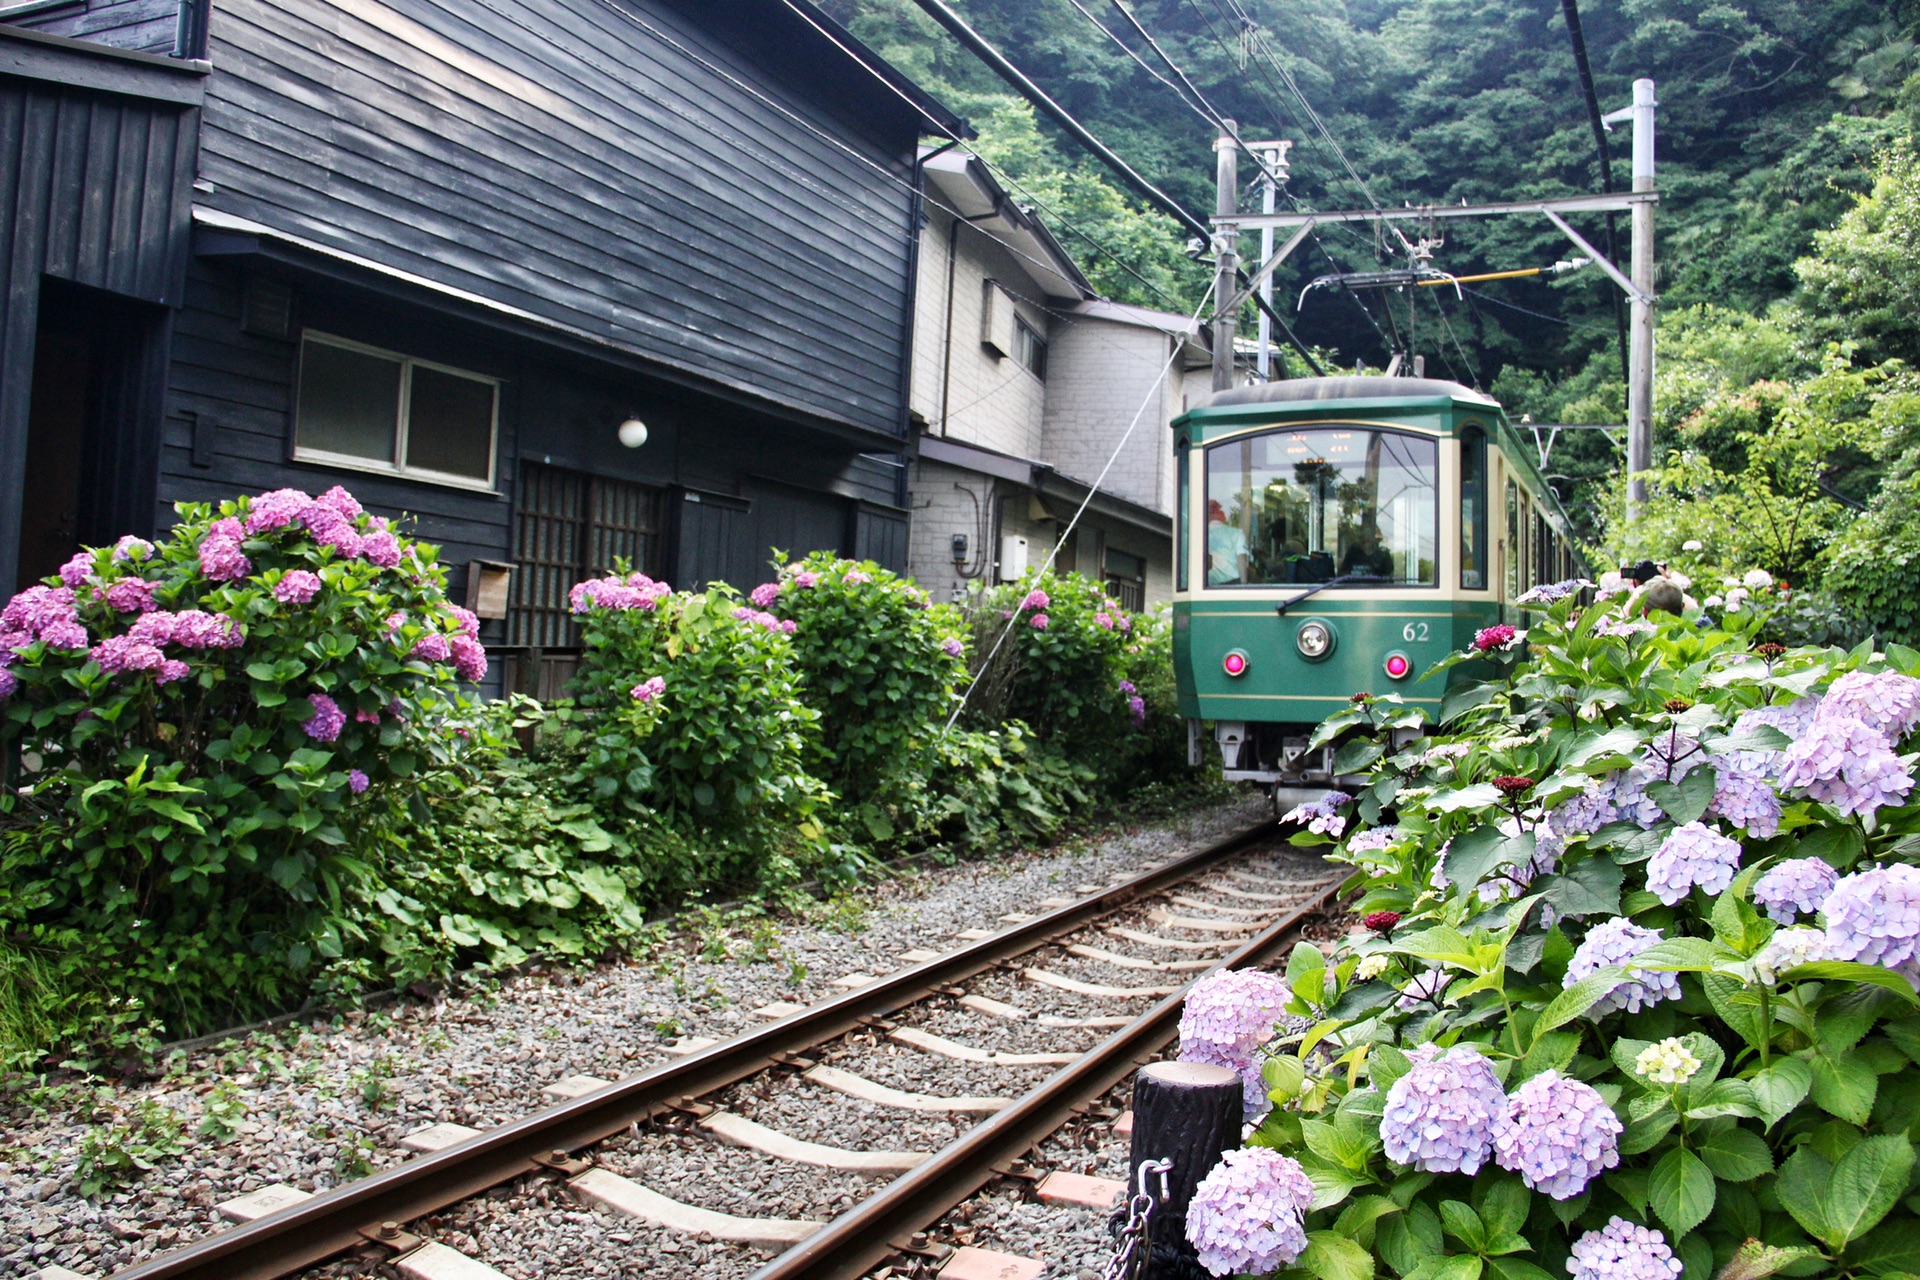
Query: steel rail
x=299, y=1236
x=866, y=1235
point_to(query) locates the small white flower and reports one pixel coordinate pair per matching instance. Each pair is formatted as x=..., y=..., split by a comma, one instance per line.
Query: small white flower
x=1667, y=1062
x=1757, y=580
x=1372, y=966
x=1679, y=579
x=1692, y=544
x=1789, y=949
x=1714, y=602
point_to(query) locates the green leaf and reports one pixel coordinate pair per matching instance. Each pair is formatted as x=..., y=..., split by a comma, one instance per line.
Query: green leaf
x=1355, y=755
x=1577, y=999
x=1385, y=1064
x=1596, y=747
x=1892, y=1246
x=1479, y=851
x=1502, y=1203
x=1481, y=795
x=1845, y=1087
x=1754, y=1260
x=1406, y=1240
x=1356, y=1221
x=1517, y=1269
x=1551, y=1052
x=1850, y=971
x=1445, y=1267
x=1680, y=1191
x=1463, y=1224
x=1686, y=800
x=1780, y=1087
x=1843, y=1201
x=1737, y=1004
x=1330, y=1255
x=1735, y=1154
x=1591, y=887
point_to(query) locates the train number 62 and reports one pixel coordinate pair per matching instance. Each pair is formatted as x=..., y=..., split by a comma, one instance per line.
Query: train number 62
x=1414, y=631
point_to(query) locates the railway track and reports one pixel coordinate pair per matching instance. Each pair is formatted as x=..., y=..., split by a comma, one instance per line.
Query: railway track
x=1240, y=902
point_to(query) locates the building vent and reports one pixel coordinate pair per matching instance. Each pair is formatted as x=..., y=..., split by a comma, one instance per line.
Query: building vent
x=266, y=310
x=998, y=331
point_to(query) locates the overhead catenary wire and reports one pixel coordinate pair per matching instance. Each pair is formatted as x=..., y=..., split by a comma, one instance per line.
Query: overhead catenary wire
x=1570, y=11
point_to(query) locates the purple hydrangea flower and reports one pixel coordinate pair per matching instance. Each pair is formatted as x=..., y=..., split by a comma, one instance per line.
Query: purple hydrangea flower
x=1692, y=855
x=1623, y=1251
x=1127, y=686
x=131, y=548
x=1425, y=989
x=1873, y=916
x=331, y=529
x=1322, y=815
x=1103, y=620
x=296, y=586
x=1137, y=709
x=8, y=683
x=1039, y=621
x=221, y=559
x=1884, y=700
x=380, y=547
x=1846, y=763
x=357, y=782
x=1669, y=755
x=1616, y=942
x=649, y=689
x=1227, y=1017
x=1790, y=718
x=37, y=608
x=65, y=635
x=120, y=654
x=129, y=595
x=1743, y=796
x=171, y=670
x=1557, y=1133
x=197, y=629
x=1795, y=888
x=276, y=509
x=1440, y=1116
x=1373, y=838
x=1626, y=791
x=765, y=594
x=1248, y=1214
x=1584, y=814
x=78, y=569
x=1549, y=592
x=431, y=647
x=952, y=647
x=327, y=719
x=469, y=658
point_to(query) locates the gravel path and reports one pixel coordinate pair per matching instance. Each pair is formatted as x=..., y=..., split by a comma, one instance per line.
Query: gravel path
x=319, y=1103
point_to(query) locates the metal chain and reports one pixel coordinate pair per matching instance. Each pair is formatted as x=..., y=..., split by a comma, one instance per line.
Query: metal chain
x=1129, y=1259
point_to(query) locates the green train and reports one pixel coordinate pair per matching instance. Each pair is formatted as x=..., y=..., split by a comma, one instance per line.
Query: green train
x=1340, y=535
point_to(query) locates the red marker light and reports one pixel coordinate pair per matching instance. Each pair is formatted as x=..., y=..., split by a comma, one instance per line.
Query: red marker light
x=1235, y=663
x=1398, y=665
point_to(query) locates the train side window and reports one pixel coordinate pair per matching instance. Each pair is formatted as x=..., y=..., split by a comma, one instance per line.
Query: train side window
x=1473, y=510
x=1183, y=502
x=1514, y=550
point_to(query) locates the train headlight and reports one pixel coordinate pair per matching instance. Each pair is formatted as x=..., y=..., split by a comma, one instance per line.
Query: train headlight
x=1398, y=665
x=1235, y=663
x=1314, y=640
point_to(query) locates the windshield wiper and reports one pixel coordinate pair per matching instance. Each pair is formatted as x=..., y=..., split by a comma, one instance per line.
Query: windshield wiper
x=1318, y=587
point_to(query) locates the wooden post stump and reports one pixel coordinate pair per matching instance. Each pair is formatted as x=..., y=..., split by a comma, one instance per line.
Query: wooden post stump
x=1190, y=1113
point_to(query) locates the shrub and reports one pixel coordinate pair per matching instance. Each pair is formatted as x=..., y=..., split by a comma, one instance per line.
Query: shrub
x=694, y=717
x=1636, y=981
x=879, y=663
x=994, y=787
x=1065, y=642
x=198, y=725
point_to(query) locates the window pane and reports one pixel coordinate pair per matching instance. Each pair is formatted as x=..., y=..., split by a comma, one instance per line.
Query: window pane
x=1307, y=506
x=349, y=402
x=1180, y=530
x=450, y=424
x=1473, y=511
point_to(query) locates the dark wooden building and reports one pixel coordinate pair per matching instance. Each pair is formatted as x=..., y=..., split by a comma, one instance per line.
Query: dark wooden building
x=439, y=251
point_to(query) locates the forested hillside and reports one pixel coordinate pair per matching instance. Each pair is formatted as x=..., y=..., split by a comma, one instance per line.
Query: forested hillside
x=1775, y=116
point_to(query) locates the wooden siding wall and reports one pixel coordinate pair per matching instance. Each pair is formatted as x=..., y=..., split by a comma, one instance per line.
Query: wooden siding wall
x=93, y=189
x=596, y=163
x=144, y=26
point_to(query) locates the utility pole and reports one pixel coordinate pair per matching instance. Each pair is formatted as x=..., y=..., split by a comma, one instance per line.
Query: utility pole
x=1640, y=327
x=1226, y=248
x=1273, y=166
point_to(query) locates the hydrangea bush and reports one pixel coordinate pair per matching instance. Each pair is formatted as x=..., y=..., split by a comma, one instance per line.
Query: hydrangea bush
x=199, y=727
x=1635, y=993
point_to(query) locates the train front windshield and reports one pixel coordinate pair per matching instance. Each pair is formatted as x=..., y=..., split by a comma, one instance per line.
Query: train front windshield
x=1308, y=506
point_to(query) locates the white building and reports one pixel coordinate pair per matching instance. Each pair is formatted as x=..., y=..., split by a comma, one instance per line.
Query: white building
x=1024, y=385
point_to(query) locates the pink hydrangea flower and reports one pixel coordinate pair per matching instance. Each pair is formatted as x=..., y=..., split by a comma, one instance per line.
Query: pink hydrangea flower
x=1123, y=622
x=432, y=647
x=37, y=608
x=120, y=654
x=171, y=670
x=327, y=719
x=341, y=501
x=196, y=629
x=806, y=580
x=1039, y=621
x=789, y=626
x=296, y=586
x=1500, y=638
x=366, y=717
x=649, y=689
x=65, y=635
x=129, y=595
x=464, y=621
x=1036, y=599
x=469, y=658
x=380, y=547
x=331, y=529
x=1103, y=620
x=221, y=559
x=765, y=594
x=78, y=569
x=276, y=510
x=855, y=578
x=131, y=548
x=228, y=527
x=952, y=647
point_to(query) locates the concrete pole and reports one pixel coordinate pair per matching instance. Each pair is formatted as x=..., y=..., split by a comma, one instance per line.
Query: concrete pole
x=1226, y=154
x=1640, y=326
x=1269, y=192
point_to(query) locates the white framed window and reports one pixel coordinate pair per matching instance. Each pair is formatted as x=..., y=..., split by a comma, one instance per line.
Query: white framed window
x=1030, y=348
x=369, y=409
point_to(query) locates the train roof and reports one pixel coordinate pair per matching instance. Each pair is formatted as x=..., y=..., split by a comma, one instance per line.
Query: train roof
x=1348, y=388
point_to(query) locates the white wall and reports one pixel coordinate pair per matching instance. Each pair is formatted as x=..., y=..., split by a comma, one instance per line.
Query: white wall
x=1102, y=375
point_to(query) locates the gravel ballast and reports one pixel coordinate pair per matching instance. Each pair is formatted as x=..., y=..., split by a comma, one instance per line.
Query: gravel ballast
x=320, y=1102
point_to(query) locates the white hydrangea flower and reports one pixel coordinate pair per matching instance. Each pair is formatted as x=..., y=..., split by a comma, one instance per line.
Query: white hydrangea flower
x=1372, y=966
x=1667, y=1062
x=1692, y=544
x=1757, y=580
